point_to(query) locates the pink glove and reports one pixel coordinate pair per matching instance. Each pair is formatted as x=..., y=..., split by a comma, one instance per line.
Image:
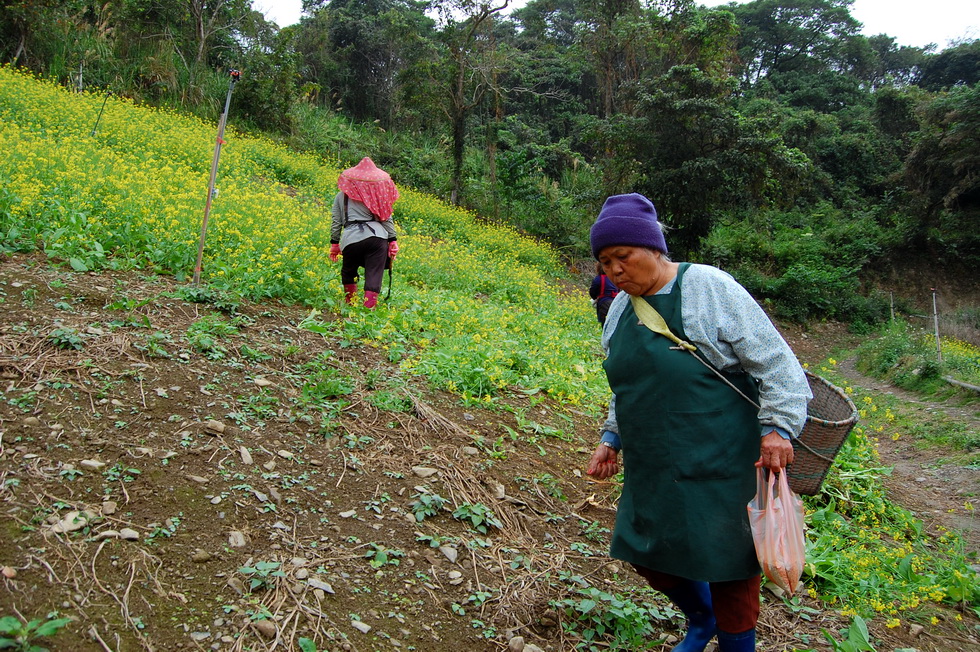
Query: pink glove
x=335, y=252
x=392, y=249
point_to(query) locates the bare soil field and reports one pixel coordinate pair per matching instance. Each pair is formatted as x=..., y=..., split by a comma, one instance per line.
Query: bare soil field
x=167, y=496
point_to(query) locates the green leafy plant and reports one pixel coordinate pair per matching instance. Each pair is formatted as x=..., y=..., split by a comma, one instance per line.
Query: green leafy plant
x=223, y=300
x=306, y=645
x=858, y=639
x=21, y=636
x=426, y=504
x=204, y=335
x=261, y=574
x=478, y=515
x=381, y=556
x=604, y=620
x=66, y=338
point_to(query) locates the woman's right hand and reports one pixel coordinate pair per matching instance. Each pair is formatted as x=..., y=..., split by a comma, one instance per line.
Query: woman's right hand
x=335, y=252
x=604, y=463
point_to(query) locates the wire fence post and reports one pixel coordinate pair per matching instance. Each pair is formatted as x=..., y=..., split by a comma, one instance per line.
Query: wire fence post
x=235, y=75
x=935, y=322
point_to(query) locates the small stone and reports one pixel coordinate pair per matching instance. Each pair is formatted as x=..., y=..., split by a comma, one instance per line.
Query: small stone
x=246, y=456
x=236, y=585
x=201, y=556
x=117, y=403
x=236, y=539
x=516, y=644
x=451, y=553
x=9, y=572
x=455, y=577
x=549, y=618
x=468, y=417
x=424, y=471
x=92, y=465
x=286, y=455
x=531, y=647
x=299, y=562
x=302, y=574
x=216, y=500
x=262, y=382
x=915, y=630
x=316, y=462
x=57, y=427
x=266, y=628
x=109, y=507
x=215, y=427
x=199, y=637
x=107, y=534
x=72, y=521
x=469, y=450
x=198, y=479
x=129, y=534
x=363, y=628
x=320, y=585
x=270, y=466
x=349, y=514
x=31, y=421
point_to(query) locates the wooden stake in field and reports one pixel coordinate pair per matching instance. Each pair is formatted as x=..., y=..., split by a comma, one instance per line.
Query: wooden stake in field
x=235, y=75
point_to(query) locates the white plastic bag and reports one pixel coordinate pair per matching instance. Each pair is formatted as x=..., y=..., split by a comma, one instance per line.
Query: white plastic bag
x=776, y=518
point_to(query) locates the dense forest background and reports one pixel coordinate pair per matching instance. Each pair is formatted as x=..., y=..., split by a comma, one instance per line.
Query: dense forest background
x=820, y=166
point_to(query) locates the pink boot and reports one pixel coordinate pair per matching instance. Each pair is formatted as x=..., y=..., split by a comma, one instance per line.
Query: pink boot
x=370, y=299
x=350, y=289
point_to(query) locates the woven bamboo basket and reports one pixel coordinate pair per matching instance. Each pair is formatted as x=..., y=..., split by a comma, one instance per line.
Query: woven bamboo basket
x=830, y=417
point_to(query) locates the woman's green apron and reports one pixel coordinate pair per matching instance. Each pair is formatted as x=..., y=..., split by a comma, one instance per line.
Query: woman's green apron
x=689, y=445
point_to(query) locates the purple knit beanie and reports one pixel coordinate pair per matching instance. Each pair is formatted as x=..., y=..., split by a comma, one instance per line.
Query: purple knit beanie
x=627, y=220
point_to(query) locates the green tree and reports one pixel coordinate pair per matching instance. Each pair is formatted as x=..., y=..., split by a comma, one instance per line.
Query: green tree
x=782, y=36
x=360, y=51
x=951, y=67
x=943, y=172
x=469, y=69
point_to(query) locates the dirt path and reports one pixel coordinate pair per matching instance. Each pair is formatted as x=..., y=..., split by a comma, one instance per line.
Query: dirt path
x=924, y=480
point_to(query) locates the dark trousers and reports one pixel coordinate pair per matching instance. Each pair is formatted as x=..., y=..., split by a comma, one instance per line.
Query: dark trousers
x=736, y=603
x=372, y=255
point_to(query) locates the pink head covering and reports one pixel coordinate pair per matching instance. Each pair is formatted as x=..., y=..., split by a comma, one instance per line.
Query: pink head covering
x=369, y=184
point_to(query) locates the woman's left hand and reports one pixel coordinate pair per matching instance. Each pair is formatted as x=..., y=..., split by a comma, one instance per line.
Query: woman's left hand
x=777, y=453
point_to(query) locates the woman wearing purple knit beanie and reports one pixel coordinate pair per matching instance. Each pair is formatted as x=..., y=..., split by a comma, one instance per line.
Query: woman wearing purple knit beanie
x=690, y=442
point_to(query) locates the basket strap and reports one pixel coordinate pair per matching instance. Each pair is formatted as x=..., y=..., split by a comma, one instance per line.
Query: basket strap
x=653, y=320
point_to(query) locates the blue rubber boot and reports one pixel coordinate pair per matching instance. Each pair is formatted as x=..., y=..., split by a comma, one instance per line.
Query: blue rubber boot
x=744, y=642
x=694, y=599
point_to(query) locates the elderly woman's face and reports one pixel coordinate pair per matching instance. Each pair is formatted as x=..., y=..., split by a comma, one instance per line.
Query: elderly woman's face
x=634, y=270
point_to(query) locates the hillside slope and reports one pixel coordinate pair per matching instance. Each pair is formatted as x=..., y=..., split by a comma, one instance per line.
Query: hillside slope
x=261, y=484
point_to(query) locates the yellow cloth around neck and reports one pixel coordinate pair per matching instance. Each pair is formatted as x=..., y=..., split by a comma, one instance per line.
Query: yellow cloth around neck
x=652, y=320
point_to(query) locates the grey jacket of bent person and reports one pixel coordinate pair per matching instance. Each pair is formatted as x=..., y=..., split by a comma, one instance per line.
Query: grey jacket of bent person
x=361, y=223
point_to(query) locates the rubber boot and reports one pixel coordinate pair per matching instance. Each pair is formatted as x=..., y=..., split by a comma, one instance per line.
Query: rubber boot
x=694, y=599
x=370, y=299
x=744, y=642
x=350, y=289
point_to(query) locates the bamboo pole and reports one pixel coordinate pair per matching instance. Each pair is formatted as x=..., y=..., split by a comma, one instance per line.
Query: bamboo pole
x=235, y=75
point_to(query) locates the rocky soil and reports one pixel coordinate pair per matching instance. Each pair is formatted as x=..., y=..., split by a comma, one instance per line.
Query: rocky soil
x=174, y=476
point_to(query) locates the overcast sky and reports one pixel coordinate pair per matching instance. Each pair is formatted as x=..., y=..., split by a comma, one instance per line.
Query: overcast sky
x=911, y=22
